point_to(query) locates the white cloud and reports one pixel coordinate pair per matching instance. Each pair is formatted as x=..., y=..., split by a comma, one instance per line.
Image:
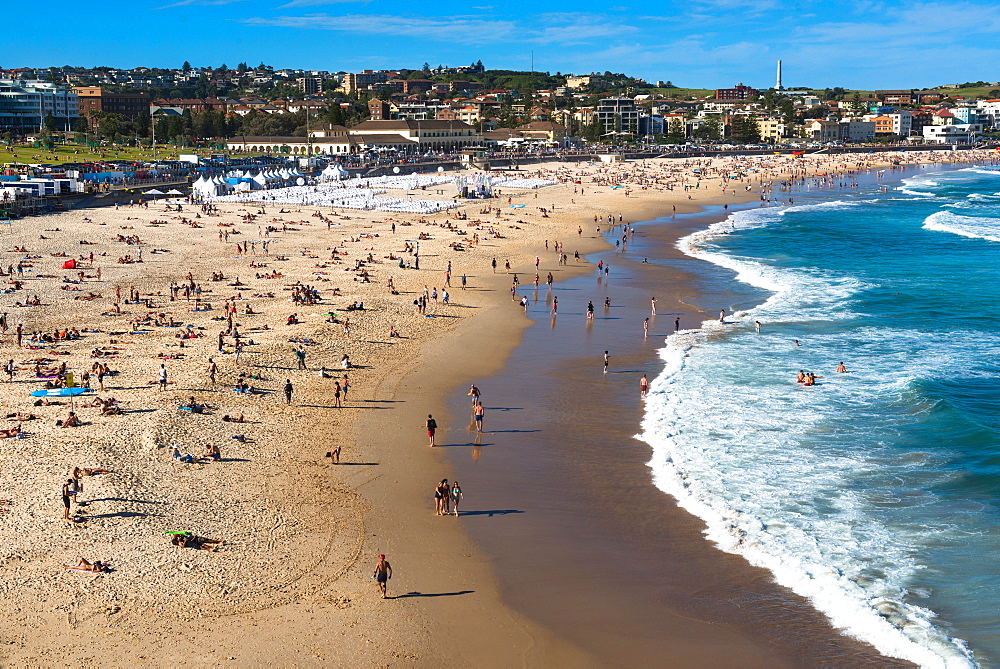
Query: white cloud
x=563, y=29
x=316, y=3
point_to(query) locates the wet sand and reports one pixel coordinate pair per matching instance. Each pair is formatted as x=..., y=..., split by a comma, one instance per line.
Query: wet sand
x=559, y=492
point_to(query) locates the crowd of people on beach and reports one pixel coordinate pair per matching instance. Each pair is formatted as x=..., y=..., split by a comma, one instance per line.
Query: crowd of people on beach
x=333, y=296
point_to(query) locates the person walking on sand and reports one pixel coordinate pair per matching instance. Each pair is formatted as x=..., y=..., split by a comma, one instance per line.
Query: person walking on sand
x=163, y=377
x=383, y=572
x=9, y=368
x=645, y=327
x=300, y=357
x=677, y=324
x=643, y=386
x=607, y=360
x=288, y=391
x=213, y=369
x=478, y=411
x=456, y=497
x=431, y=428
x=442, y=493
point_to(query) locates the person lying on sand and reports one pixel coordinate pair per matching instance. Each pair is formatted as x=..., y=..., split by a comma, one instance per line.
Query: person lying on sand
x=188, y=540
x=11, y=433
x=21, y=416
x=90, y=471
x=83, y=565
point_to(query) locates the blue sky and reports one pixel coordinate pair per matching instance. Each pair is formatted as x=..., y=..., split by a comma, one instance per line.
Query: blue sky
x=700, y=43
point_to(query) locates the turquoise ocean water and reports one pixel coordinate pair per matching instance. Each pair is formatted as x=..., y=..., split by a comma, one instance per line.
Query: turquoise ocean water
x=875, y=493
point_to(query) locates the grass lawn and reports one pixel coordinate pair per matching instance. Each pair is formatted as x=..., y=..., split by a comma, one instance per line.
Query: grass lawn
x=74, y=153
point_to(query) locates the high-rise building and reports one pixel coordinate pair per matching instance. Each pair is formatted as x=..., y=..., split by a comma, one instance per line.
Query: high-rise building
x=618, y=115
x=363, y=80
x=310, y=85
x=24, y=105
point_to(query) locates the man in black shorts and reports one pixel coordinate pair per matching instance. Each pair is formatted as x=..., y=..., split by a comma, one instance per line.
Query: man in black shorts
x=383, y=572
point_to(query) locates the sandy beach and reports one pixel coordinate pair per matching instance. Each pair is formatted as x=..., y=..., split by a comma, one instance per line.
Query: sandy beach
x=291, y=584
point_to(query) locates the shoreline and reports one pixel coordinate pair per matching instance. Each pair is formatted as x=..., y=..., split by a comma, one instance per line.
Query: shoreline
x=300, y=532
x=799, y=621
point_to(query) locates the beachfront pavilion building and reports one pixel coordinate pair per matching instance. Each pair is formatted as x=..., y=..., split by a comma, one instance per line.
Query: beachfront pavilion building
x=401, y=135
x=428, y=135
x=956, y=133
x=24, y=105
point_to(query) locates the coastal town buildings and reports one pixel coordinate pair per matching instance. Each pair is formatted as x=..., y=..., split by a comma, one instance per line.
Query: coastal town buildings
x=94, y=99
x=737, y=92
x=25, y=104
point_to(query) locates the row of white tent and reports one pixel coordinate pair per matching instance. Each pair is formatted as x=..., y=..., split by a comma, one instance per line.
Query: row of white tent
x=245, y=180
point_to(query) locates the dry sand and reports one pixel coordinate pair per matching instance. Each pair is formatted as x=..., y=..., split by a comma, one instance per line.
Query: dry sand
x=291, y=584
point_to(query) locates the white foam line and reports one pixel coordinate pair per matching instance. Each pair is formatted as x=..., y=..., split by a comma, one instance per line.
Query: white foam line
x=883, y=619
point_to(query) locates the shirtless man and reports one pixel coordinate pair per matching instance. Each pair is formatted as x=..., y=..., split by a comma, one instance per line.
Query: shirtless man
x=477, y=413
x=841, y=368
x=643, y=386
x=383, y=572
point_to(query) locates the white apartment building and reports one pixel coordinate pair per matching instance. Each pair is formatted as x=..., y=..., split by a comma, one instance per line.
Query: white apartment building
x=957, y=133
x=989, y=112
x=24, y=105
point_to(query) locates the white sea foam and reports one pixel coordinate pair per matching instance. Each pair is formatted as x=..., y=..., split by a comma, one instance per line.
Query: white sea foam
x=729, y=453
x=907, y=191
x=966, y=226
x=824, y=206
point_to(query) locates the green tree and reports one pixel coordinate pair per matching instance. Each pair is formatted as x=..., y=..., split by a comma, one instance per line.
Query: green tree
x=787, y=110
x=675, y=131
x=51, y=124
x=592, y=131
x=186, y=66
x=710, y=129
x=858, y=106
x=142, y=124
x=744, y=129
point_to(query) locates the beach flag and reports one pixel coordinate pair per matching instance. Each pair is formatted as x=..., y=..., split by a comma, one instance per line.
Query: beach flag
x=797, y=153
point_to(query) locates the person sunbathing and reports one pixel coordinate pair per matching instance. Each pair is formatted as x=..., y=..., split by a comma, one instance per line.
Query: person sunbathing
x=233, y=419
x=83, y=565
x=21, y=416
x=11, y=433
x=194, y=406
x=186, y=458
x=188, y=540
x=90, y=471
